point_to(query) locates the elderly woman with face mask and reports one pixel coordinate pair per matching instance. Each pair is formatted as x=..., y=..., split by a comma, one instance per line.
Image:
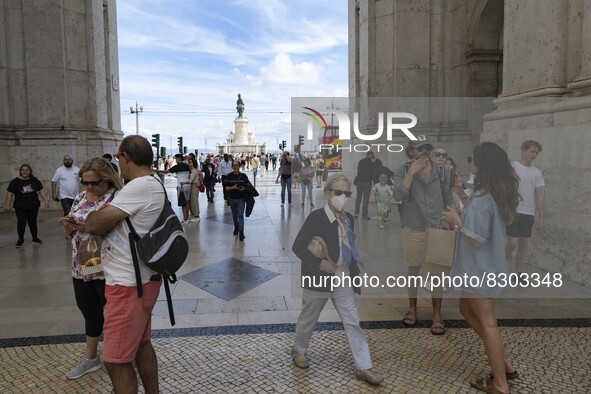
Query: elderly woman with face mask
x=326, y=247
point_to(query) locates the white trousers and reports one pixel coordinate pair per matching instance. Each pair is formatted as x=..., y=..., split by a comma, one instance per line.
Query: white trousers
x=343, y=299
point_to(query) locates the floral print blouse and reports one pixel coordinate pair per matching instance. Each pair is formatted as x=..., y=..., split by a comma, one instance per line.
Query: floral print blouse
x=81, y=208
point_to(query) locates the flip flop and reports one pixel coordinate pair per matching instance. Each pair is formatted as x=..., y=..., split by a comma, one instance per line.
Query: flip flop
x=437, y=328
x=410, y=320
x=486, y=385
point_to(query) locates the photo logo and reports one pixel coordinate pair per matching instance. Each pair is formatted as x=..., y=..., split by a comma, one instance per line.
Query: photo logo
x=344, y=132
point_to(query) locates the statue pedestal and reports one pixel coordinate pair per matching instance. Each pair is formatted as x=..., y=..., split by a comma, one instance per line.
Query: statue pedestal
x=241, y=131
x=241, y=141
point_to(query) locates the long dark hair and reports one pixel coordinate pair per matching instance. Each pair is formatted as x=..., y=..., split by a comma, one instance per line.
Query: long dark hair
x=496, y=176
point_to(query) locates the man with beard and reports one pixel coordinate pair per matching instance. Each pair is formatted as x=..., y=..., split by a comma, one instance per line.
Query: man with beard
x=424, y=188
x=66, y=177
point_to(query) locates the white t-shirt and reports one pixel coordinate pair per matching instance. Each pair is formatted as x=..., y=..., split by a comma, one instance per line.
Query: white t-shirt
x=68, y=181
x=226, y=167
x=142, y=199
x=530, y=179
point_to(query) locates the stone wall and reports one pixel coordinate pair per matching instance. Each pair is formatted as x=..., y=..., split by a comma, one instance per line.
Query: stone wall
x=59, y=88
x=534, y=55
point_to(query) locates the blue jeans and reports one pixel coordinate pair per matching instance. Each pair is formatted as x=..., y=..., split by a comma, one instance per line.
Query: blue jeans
x=209, y=190
x=237, y=205
x=285, y=184
x=308, y=187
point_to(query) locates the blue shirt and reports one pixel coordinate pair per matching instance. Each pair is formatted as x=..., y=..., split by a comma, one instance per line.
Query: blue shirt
x=483, y=223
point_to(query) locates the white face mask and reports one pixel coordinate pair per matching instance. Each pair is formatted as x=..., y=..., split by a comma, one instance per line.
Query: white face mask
x=338, y=202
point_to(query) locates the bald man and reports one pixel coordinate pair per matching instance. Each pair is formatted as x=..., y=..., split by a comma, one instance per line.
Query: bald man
x=66, y=180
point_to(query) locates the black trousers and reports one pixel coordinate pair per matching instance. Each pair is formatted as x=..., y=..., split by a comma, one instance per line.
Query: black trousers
x=67, y=205
x=223, y=188
x=363, y=191
x=90, y=298
x=24, y=216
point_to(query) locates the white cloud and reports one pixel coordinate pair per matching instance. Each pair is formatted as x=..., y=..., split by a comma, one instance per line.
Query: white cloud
x=185, y=62
x=282, y=70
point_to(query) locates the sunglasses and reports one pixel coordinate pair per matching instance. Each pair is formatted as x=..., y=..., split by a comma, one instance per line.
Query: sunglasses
x=440, y=154
x=427, y=148
x=119, y=154
x=341, y=192
x=91, y=183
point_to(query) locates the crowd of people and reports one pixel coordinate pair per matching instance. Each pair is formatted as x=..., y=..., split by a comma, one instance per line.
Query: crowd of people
x=493, y=214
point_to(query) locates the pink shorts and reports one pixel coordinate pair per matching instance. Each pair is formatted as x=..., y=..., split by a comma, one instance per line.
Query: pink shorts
x=128, y=320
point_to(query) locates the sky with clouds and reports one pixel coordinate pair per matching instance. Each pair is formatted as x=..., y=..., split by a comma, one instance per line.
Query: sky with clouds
x=185, y=61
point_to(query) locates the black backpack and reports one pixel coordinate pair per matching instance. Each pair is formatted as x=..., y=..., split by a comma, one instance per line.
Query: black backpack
x=163, y=249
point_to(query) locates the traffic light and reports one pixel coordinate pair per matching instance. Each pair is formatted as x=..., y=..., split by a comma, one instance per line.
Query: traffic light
x=162, y=151
x=280, y=147
x=284, y=143
x=156, y=142
x=184, y=150
x=300, y=140
x=180, y=144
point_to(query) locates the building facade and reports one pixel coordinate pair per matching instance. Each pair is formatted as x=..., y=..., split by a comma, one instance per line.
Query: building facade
x=528, y=62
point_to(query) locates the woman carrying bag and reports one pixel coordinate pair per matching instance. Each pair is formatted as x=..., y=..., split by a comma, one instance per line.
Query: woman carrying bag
x=480, y=250
x=100, y=185
x=326, y=247
x=195, y=180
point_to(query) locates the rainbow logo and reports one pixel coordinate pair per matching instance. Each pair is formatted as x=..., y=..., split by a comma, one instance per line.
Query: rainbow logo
x=318, y=118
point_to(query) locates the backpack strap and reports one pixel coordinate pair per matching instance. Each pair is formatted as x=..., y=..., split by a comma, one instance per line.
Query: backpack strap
x=171, y=279
x=136, y=266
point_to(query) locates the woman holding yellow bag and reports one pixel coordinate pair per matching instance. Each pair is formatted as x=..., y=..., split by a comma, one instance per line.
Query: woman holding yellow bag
x=100, y=183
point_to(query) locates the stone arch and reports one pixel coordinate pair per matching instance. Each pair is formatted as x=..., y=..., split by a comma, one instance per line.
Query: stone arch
x=485, y=49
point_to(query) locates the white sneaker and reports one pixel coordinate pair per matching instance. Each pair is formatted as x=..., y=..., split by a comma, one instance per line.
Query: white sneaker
x=85, y=366
x=185, y=221
x=195, y=219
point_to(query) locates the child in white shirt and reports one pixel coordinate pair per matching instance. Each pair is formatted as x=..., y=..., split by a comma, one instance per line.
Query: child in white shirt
x=384, y=194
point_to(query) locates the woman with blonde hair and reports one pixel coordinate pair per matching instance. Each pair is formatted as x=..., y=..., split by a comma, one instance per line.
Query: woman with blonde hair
x=326, y=247
x=100, y=185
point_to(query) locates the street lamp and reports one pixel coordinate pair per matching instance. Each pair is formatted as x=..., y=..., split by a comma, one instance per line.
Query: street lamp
x=136, y=111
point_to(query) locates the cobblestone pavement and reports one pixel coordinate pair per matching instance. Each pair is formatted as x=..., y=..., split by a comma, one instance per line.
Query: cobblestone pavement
x=228, y=341
x=550, y=360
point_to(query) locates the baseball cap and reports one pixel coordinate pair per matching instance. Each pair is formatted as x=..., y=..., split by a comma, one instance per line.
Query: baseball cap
x=421, y=140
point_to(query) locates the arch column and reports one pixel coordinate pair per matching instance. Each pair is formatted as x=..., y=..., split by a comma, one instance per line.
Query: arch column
x=534, y=49
x=59, y=90
x=582, y=84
